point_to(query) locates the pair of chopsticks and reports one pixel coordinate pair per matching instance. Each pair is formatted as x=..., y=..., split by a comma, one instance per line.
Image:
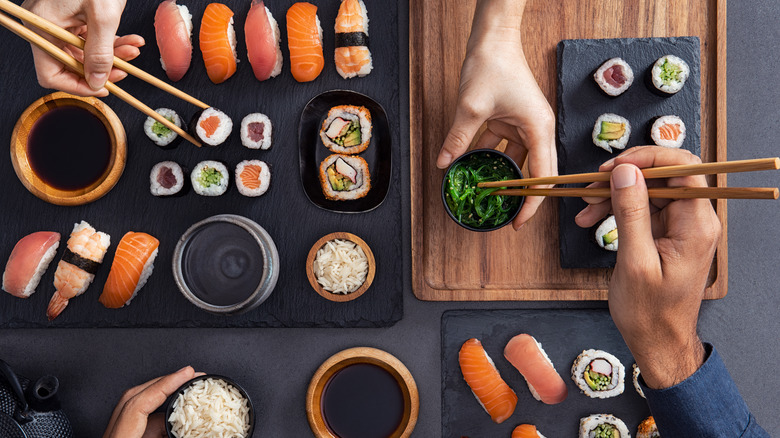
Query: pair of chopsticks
x=653, y=172
x=69, y=61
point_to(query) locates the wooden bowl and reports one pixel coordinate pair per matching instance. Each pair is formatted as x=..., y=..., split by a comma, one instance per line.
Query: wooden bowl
x=313, y=278
x=39, y=187
x=368, y=355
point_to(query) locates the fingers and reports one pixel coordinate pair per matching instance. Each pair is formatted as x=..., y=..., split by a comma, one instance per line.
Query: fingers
x=468, y=119
x=99, y=47
x=651, y=156
x=632, y=214
x=155, y=426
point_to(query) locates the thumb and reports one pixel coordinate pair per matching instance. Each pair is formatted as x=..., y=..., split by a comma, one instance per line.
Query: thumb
x=99, y=47
x=631, y=206
x=464, y=128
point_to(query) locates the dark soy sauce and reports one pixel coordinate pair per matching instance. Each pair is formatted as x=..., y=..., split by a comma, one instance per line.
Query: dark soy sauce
x=362, y=401
x=222, y=264
x=69, y=148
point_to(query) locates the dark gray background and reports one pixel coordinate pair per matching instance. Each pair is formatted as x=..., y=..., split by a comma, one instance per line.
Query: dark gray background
x=274, y=365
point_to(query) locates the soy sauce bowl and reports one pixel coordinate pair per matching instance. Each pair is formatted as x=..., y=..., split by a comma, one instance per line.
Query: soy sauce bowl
x=172, y=400
x=487, y=154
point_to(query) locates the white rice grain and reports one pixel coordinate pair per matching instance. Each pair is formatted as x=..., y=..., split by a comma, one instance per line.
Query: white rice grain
x=210, y=408
x=341, y=266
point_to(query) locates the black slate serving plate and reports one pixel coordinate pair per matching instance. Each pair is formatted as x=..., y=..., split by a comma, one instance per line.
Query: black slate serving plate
x=581, y=101
x=563, y=334
x=284, y=211
x=312, y=152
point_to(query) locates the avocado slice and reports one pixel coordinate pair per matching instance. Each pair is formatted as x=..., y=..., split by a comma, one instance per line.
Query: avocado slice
x=337, y=181
x=352, y=138
x=611, y=130
x=610, y=237
x=590, y=382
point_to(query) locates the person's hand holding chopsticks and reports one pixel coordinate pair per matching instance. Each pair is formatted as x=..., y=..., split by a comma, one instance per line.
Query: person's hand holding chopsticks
x=97, y=22
x=498, y=87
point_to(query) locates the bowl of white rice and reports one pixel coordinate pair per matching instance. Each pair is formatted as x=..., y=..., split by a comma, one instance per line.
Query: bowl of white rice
x=210, y=406
x=340, y=266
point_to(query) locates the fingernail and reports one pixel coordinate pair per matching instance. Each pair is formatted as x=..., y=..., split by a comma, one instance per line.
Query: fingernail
x=519, y=227
x=623, y=176
x=445, y=158
x=97, y=80
x=184, y=368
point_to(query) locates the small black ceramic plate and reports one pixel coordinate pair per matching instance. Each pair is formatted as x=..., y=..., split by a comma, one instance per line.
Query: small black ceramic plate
x=312, y=151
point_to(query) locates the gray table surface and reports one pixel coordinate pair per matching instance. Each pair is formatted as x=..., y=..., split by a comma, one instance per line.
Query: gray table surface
x=275, y=365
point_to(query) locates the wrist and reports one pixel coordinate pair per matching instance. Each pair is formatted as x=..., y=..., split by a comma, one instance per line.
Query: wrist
x=666, y=364
x=497, y=21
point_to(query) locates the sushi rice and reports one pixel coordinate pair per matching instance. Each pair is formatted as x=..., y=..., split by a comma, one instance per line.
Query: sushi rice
x=669, y=74
x=338, y=186
x=611, y=131
x=668, y=131
x=166, y=179
x=636, y=373
x=212, y=126
x=611, y=68
x=209, y=178
x=615, y=384
x=253, y=177
x=256, y=131
x=607, y=234
x=351, y=118
x=160, y=134
x=599, y=425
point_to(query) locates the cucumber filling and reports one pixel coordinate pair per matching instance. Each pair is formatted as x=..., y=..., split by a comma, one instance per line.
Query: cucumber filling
x=605, y=430
x=596, y=381
x=210, y=177
x=161, y=130
x=670, y=73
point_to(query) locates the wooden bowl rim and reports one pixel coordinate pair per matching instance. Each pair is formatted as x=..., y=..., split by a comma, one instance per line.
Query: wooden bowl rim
x=51, y=194
x=340, y=298
x=352, y=356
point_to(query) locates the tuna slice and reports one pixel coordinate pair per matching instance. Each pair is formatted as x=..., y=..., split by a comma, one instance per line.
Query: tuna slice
x=615, y=76
x=173, y=38
x=262, y=43
x=345, y=169
x=29, y=259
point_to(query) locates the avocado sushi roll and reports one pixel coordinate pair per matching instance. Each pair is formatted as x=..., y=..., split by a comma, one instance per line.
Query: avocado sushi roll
x=611, y=131
x=603, y=426
x=598, y=374
x=344, y=177
x=209, y=178
x=347, y=129
x=160, y=134
x=607, y=234
x=669, y=74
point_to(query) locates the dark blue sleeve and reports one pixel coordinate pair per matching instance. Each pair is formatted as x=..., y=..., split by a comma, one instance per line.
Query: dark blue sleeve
x=706, y=404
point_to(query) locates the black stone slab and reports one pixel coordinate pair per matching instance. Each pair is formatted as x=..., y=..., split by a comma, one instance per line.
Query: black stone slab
x=563, y=334
x=581, y=101
x=294, y=223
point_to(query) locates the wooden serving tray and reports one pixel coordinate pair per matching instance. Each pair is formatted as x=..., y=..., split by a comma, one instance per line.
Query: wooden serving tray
x=452, y=264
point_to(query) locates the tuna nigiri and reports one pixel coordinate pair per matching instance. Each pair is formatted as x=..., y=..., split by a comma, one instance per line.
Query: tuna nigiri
x=526, y=431
x=495, y=396
x=173, y=27
x=133, y=264
x=262, y=42
x=352, y=55
x=304, y=38
x=77, y=268
x=527, y=355
x=218, y=42
x=28, y=261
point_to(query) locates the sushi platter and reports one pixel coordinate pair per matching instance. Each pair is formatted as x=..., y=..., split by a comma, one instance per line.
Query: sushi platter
x=527, y=265
x=285, y=211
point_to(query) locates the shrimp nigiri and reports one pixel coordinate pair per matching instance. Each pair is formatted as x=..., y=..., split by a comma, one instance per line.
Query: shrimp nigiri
x=173, y=28
x=28, y=261
x=77, y=268
x=218, y=42
x=304, y=38
x=527, y=355
x=262, y=42
x=352, y=55
x=526, y=431
x=495, y=396
x=133, y=264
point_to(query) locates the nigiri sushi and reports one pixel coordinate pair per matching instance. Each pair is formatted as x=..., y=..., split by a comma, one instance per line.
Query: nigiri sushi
x=133, y=264
x=495, y=396
x=528, y=356
x=218, y=42
x=526, y=431
x=262, y=42
x=173, y=28
x=352, y=55
x=304, y=38
x=28, y=261
x=77, y=268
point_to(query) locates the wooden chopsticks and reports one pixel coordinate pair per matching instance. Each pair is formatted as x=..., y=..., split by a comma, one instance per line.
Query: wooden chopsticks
x=76, y=66
x=653, y=172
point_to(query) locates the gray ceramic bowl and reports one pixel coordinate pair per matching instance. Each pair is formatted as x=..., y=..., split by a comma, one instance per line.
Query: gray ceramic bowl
x=226, y=264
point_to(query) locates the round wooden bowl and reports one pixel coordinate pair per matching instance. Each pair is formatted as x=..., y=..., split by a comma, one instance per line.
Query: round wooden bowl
x=313, y=278
x=373, y=356
x=40, y=188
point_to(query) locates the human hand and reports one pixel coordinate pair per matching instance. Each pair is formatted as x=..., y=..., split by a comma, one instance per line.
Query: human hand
x=666, y=249
x=96, y=21
x=498, y=87
x=132, y=417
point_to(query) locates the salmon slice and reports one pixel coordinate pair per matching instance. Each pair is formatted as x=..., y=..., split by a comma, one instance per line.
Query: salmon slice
x=217, y=42
x=250, y=176
x=352, y=60
x=173, y=38
x=526, y=431
x=495, y=396
x=544, y=382
x=133, y=255
x=262, y=42
x=304, y=38
x=210, y=125
x=669, y=132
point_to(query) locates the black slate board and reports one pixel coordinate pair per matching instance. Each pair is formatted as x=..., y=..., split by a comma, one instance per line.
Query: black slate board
x=581, y=101
x=294, y=223
x=563, y=334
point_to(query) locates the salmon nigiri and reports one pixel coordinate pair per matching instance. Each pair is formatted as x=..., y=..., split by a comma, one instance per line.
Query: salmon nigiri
x=133, y=264
x=495, y=396
x=304, y=38
x=262, y=42
x=352, y=55
x=527, y=355
x=173, y=28
x=526, y=431
x=218, y=42
x=28, y=262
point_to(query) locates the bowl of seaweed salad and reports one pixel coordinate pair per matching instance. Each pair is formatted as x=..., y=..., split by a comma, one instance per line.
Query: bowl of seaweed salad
x=475, y=208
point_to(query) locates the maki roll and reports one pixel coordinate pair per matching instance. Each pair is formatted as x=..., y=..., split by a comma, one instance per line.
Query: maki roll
x=614, y=76
x=347, y=129
x=669, y=74
x=209, y=178
x=212, y=126
x=647, y=429
x=611, y=131
x=166, y=179
x=636, y=381
x=160, y=134
x=256, y=131
x=607, y=234
x=344, y=177
x=668, y=131
x=252, y=177
x=598, y=374
x=603, y=426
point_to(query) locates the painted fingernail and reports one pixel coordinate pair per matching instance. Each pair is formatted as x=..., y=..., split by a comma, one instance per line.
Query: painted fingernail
x=623, y=176
x=97, y=80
